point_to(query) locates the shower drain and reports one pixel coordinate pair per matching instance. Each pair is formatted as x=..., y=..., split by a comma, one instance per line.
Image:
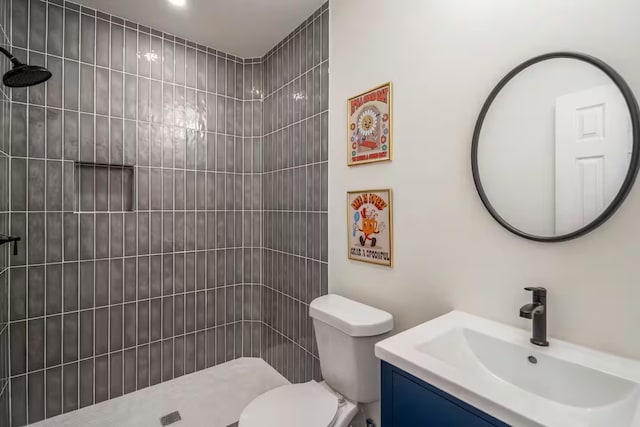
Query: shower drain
x=170, y=418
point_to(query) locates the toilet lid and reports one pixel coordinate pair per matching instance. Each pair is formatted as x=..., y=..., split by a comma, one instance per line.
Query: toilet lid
x=295, y=405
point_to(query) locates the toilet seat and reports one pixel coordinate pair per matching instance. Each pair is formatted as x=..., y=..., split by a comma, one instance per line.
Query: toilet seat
x=309, y=405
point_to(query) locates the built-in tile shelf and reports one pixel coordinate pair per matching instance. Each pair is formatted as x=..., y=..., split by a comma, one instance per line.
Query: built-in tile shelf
x=104, y=187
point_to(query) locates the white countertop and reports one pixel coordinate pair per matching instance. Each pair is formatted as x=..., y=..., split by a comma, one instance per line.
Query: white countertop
x=484, y=363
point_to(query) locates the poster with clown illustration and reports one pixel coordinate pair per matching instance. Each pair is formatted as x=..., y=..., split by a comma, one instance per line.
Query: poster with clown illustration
x=370, y=126
x=370, y=227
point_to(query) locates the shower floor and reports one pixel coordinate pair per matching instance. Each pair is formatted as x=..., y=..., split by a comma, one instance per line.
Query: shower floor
x=212, y=397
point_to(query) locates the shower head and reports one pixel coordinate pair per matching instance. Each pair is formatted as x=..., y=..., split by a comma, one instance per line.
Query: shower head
x=23, y=75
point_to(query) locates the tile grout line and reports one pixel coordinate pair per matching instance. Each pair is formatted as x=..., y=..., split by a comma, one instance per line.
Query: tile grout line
x=10, y=225
x=27, y=132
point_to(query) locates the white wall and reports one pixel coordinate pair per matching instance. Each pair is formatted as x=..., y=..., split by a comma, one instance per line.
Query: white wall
x=444, y=57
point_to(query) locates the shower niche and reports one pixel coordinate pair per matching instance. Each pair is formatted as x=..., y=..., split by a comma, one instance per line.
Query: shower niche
x=103, y=187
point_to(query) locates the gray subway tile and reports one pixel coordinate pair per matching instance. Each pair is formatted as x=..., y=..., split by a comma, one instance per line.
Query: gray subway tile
x=70, y=387
x=70, y=350
x=36, y=235
x=18, y=347
x=116, y=141
x=86, y=380
x=87, y=81
x=102, y=84
x=116, y=235
x=116, y=281
x=35, y=396
x=116, y=318
x=71, y=84
x=71, y=34
x=36, y=185
x=130, y=143
x=155, y=363
x=71, y=135
x=143, y=367
x=87, y=38
x=117, y=94
x=101, y=283
x=143, y=322
x=35, y=344
x=37, y=25
x=20, y=26
x=70, y=284
x=36, y=131
x=129, y=321
x=102, y=43
x=130, y=370
x=18, y=184
x=18, y=294
x=37, y=92
x=54, y=186
x=115, y=375
x=130, y=50
x=156, y=50
x=86, y=236
x=53, y=340
x=144, y=47
x=86, y=284
x=70, y=239
x=117, y=46
x=53, y=402
x=19, y=130
x=130, y=96
x=86, y=142
x=54, y=85
x=101, y=378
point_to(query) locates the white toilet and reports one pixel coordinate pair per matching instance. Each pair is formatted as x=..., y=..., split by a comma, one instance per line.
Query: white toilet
x=346, y=332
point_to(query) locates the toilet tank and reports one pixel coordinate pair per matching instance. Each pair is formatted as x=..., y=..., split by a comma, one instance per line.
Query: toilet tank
x=346, y=333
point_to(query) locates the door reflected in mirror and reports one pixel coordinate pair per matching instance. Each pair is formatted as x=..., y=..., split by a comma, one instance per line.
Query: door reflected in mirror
x=554, y=147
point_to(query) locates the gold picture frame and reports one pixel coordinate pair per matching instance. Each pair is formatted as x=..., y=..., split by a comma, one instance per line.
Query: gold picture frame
x=370, y=126
x=370, y=226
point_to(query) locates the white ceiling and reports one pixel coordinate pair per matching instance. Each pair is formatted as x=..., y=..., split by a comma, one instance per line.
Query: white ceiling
x=245, y=28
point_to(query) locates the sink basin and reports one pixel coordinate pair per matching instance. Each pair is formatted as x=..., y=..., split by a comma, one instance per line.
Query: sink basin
x=494, y=367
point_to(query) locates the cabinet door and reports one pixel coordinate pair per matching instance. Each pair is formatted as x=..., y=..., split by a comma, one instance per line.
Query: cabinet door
x=414, y=405
x=410, y=402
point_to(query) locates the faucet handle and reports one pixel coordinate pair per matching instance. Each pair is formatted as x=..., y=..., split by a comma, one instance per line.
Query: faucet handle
x=539, y=293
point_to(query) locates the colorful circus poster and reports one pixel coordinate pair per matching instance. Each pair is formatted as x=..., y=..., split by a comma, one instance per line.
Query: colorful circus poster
x=370, y=126
x=369, y=226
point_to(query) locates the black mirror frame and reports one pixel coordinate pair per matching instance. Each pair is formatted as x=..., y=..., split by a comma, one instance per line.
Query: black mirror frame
x=634, y=111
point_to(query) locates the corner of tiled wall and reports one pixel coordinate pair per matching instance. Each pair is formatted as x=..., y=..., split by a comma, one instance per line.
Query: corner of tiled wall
x=252, y=206
x=5, y=106
x=294, y=204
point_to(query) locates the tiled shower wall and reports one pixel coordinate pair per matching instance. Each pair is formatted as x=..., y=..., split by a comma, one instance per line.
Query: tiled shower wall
x=295, y=195
x=126, y=280
x=4, y=220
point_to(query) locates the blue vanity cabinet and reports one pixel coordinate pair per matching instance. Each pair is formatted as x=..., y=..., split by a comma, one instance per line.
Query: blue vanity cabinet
x=410, y=402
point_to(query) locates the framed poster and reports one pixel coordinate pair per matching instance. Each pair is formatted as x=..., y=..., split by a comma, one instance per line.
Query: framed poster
x=370, y=227
x=369, y=126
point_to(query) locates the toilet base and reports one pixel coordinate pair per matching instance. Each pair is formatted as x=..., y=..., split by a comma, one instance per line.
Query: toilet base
x=347, y=410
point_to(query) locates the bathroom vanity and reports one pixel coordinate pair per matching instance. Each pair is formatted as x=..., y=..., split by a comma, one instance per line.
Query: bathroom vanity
x=464, y=370
x=408, y=401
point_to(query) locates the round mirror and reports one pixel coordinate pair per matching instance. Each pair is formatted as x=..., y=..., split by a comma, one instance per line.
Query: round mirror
x=556, y=147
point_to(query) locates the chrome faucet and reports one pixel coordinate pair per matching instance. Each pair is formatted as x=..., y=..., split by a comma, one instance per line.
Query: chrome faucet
x=537, y=311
